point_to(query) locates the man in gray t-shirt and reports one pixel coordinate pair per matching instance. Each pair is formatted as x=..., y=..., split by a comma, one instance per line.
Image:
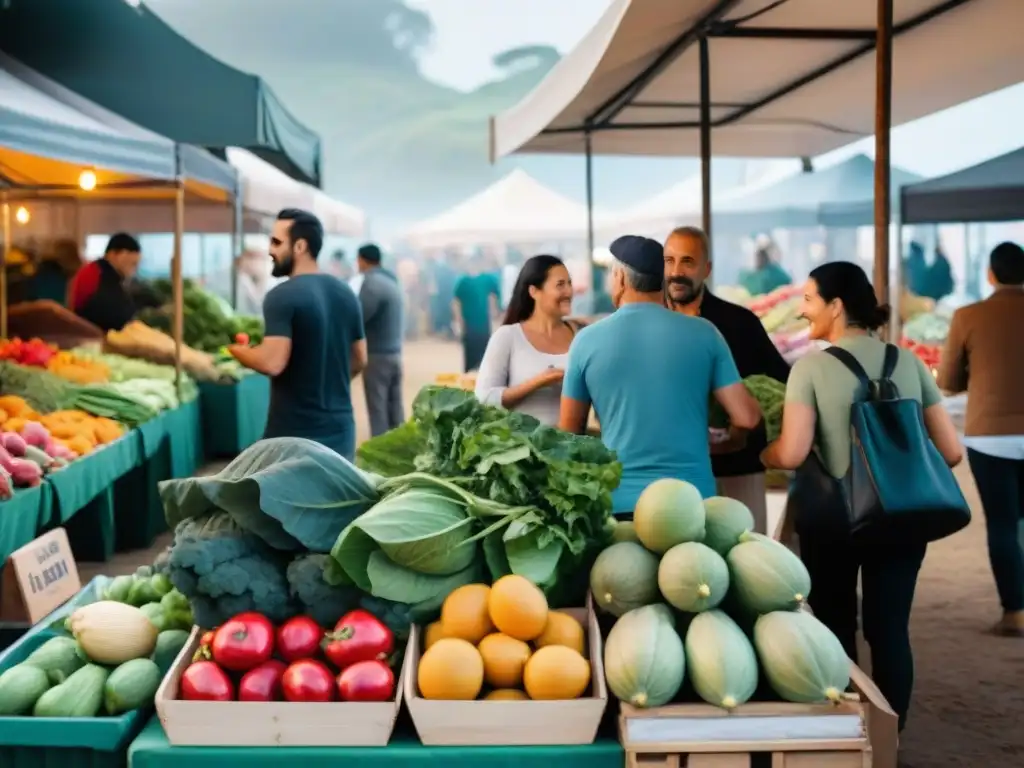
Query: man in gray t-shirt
x=384, y=321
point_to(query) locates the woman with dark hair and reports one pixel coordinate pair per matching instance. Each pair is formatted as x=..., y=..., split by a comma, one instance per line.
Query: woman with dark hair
x=842, y=309
x=525, y=359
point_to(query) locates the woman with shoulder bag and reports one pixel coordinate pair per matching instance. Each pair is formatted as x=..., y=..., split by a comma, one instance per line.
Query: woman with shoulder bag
x=525, y=359
x=816, y=441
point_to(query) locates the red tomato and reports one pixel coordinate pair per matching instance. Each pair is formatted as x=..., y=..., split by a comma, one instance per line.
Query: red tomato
x=262, y=683
x=241, y=338
x=358, y=636
x=244, y=642
x=367, y=681
x=205, y=681
x=299, y=638
x=308, y=680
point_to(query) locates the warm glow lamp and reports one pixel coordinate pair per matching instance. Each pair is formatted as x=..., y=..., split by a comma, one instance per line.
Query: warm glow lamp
x=22, y=216
x=87, y=181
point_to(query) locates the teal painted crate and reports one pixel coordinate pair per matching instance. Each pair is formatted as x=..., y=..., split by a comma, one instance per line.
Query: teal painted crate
x=11, y=632
x=38, y=742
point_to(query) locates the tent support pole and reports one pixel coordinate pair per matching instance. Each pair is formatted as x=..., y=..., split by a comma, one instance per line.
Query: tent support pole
x=237, y=223
x=596, y=273
x=177, y=283
x=883, y=128
x=705, y=136
x=6, y=212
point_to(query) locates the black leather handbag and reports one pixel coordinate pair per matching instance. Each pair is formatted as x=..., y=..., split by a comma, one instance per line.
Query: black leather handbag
x=898, y=485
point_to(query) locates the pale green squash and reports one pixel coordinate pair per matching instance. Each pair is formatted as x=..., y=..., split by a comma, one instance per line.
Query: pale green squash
x=725, y=521
x=624, y=577
x=765, y=576
x=721, y=660
x=802, y=659
x=693, y=577
x=644, y=660
x=668, y=512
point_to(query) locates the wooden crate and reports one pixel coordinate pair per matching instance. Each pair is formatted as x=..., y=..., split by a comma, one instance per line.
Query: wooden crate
x=271, y=724
x=860, y=732
x=510, y=723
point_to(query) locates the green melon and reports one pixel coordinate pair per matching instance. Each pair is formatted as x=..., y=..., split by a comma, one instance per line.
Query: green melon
x=668, y=512
x=644, y=661
x=766, y=576
x=623, y=530
x=803, y=660
x=693, y=577
x=624, y=576
x=721, y=660
x=726, y=520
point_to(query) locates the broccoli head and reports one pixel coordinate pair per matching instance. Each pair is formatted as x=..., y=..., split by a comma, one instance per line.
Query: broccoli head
x=224, y=570
x=318, y=599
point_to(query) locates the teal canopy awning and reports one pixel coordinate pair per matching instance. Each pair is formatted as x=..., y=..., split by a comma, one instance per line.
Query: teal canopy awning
x=126, y=59
x=841, y=195
x=989, y=191
x=41, y=118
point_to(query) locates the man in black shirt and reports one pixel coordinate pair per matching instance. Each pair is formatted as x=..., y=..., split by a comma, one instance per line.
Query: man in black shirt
x=736, y=463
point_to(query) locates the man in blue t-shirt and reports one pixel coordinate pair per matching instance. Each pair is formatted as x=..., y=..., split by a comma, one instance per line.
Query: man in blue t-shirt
x=314, y=343
x=476, y=297
x=649, y=373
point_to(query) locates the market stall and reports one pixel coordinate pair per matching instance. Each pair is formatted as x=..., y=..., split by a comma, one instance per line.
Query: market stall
x=515, y=209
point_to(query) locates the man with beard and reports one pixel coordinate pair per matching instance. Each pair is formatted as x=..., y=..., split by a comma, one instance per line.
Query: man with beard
x=649, y=375
x=314, y=342
x=735, y=461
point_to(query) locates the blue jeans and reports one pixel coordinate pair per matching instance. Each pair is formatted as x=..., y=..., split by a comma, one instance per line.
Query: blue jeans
x=1001, y=488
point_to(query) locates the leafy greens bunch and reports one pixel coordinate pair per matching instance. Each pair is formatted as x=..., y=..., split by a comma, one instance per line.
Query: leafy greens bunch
x=495, y=490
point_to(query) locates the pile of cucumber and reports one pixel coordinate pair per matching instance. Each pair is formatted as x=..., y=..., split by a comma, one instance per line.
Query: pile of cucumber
x=58, y=679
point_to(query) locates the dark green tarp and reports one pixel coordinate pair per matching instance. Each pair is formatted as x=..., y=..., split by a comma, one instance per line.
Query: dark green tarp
x=841, y=195
x=990, y=191
x=128, y=60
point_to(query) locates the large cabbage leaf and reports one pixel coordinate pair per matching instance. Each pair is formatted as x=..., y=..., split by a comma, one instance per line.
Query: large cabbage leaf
x=293, y=493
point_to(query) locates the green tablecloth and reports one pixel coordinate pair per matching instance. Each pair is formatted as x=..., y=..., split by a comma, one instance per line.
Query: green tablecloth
x=83, y=497
x=151, y=750
x=21, y=517
x=234, y=415
x=184, y=427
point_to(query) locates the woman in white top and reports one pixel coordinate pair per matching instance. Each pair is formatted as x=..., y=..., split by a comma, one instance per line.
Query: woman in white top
x=525, y=359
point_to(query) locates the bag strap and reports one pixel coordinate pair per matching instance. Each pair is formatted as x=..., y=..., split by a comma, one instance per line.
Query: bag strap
x=851, y=362
x=892, y=356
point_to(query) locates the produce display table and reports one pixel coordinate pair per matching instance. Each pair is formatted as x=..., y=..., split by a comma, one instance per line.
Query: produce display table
x=22, y=516
x=151, y=750
x=234, y=415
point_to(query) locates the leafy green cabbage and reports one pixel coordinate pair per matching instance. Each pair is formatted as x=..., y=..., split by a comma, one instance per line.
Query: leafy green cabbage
x=293, y=493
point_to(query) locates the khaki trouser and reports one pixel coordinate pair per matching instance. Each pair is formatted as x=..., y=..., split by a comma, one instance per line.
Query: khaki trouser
x=750, y=490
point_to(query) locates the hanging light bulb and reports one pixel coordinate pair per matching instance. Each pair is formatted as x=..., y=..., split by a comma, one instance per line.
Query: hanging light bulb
x=87, y=181
x=22, y=216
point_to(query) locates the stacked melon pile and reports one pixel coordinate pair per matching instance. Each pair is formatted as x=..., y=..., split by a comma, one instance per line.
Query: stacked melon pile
x=699, y=596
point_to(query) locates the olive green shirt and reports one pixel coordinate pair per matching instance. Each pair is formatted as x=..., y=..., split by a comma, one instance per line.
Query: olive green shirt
x=827, y=385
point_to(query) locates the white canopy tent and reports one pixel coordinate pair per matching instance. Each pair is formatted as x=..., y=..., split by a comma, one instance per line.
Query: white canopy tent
x=515, y=209
x=790, y=78
x=266, y=190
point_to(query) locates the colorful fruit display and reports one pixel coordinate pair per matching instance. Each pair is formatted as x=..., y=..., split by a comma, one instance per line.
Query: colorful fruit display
x=502, y=642
x=702, y=598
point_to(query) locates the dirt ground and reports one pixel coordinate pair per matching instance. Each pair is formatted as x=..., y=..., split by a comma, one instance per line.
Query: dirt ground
x=969, y=697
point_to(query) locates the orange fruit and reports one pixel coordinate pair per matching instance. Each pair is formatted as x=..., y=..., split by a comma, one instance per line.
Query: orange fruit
x=451, y=669
x=506, y=694
x=556, y=672
x=518, y=608
x=464, y=613
x=433, y=633
x=504, y=659
x=562, y=629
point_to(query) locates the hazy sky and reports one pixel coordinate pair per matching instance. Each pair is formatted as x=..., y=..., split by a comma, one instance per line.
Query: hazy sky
x=469, y=32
